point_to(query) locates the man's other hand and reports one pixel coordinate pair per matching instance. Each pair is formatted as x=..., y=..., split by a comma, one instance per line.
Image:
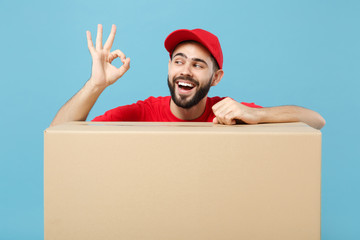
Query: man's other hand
x=228, y=111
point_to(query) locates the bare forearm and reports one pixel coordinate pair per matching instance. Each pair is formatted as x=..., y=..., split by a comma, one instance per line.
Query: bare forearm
x=291, y=114
x=79, y=106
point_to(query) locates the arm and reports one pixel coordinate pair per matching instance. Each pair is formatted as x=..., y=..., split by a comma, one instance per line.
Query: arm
x=103, y=74
x=228, y=111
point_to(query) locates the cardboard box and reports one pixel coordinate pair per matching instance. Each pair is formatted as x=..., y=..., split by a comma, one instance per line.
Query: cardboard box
x=182, y=181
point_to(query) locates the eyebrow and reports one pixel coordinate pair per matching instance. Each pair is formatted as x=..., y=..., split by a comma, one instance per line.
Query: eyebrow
x=194, y=59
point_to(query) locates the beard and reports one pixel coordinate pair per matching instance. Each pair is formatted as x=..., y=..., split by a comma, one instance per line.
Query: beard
x=182, y=101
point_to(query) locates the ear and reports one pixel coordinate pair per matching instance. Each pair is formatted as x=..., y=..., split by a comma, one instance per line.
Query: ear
x=217, y=77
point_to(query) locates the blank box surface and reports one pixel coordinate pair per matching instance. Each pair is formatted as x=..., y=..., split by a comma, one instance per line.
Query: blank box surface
x=182, y=181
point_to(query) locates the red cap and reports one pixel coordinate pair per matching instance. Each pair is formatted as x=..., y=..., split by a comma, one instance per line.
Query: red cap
x=205, y=38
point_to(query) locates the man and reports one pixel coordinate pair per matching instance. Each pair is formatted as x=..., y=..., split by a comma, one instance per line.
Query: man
x=195, y=65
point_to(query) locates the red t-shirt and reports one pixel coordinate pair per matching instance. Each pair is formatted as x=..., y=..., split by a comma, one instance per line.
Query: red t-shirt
x=157, y=110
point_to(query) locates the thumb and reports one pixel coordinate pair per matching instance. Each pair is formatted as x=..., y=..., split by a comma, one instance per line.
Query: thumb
x=123, y=69
x=215, y=120
x=126, y=64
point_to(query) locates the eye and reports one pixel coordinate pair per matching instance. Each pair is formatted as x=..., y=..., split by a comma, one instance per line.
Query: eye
x=178, y=62
x=197, y=65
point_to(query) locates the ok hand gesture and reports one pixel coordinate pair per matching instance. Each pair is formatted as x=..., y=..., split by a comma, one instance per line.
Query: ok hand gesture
x=103, y=72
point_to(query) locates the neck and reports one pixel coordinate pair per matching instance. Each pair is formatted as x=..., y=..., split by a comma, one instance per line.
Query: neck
x=188, y=113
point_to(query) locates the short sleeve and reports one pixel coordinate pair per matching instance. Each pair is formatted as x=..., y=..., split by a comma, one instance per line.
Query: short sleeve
x=252, y=105
x=131, y=112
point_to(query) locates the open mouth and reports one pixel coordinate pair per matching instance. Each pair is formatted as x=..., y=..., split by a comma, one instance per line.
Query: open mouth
x=185, y=86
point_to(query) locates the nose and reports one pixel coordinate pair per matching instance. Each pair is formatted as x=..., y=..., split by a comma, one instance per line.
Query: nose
x=186, y=69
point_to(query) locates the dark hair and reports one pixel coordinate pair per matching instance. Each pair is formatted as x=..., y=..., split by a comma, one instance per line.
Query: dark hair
x=215, y=64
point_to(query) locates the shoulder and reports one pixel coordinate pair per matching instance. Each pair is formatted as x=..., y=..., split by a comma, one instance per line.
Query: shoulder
x=213, y=100
x=155, y=101
x=159, y=99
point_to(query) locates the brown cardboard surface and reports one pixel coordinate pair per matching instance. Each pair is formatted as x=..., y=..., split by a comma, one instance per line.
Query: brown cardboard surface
x=182, y=181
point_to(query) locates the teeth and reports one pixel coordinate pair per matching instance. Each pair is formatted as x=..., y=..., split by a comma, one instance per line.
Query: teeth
x=185, y=84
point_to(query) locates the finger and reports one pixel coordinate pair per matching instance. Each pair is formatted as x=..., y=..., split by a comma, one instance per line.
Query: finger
x=219, y=119
x=229, y=119
x=216, y=106
x=89, y=42
x=222, y=111
x=120, y=54
x=215, y=121
x=226, y=114
x=221, y=103
x=123, y=69
x=227, y=106
x=110, y=40
x=99, y=37
x=126, y=64
x=111, y=57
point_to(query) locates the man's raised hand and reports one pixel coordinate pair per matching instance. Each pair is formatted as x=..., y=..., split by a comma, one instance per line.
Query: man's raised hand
x=103, y=72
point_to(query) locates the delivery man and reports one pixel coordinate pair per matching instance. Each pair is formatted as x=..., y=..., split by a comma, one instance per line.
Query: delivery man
x=195, y=65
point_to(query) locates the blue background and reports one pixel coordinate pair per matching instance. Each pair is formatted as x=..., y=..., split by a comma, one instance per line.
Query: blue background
x=305, y=53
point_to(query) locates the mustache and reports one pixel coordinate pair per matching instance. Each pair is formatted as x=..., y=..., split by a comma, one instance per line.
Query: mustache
x=187, y=78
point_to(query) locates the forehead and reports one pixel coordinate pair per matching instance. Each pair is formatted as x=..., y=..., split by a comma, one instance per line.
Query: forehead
x=193, y=50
